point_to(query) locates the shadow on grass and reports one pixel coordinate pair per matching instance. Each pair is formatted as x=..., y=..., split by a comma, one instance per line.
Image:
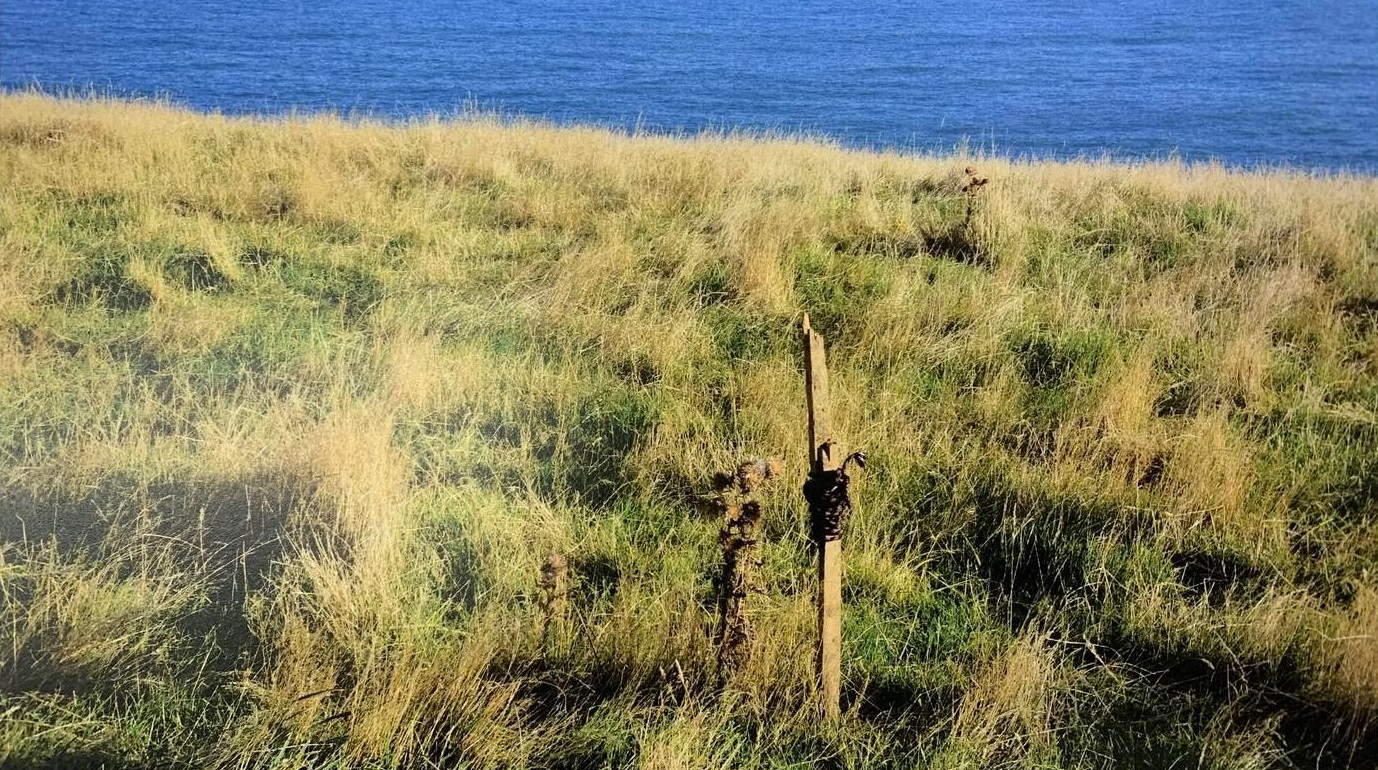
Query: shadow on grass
x=1039, y=556
x=231, y=529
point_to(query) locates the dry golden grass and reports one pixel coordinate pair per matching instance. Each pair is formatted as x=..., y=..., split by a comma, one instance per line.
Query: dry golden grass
x=1357, y=642
x=292, y=412
x=1008, y=711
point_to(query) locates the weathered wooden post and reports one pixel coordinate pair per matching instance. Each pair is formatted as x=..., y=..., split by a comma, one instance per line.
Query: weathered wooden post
x=829, y=659
x=826, y=494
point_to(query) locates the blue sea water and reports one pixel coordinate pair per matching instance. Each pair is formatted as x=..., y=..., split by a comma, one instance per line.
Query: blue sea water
x=1285, y=82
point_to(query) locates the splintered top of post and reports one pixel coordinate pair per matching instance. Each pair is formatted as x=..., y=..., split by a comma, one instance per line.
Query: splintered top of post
x=816, y=391
x=808, y=333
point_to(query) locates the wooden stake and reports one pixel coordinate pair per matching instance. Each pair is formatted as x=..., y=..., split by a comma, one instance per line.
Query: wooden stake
x=822, y=457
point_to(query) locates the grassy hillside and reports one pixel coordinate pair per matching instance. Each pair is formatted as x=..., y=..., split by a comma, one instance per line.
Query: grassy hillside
x=292, y=412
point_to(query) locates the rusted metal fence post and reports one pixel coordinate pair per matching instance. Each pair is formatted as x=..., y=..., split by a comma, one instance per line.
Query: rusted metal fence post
x=740, y=538
x=553, y=593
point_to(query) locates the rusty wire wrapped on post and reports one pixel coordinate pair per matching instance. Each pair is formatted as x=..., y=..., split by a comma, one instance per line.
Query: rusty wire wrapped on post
x=829, y=503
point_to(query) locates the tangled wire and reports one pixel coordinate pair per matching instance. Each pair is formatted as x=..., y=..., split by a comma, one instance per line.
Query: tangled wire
x=829, y=504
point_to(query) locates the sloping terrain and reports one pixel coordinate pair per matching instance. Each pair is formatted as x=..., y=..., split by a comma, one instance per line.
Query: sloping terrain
x=292, y=413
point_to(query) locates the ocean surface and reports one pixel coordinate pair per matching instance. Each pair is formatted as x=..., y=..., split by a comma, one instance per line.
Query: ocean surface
x=1284, y=82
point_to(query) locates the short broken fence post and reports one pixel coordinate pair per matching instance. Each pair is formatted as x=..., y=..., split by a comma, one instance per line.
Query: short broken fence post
x=553, y=587
x=740, y=538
